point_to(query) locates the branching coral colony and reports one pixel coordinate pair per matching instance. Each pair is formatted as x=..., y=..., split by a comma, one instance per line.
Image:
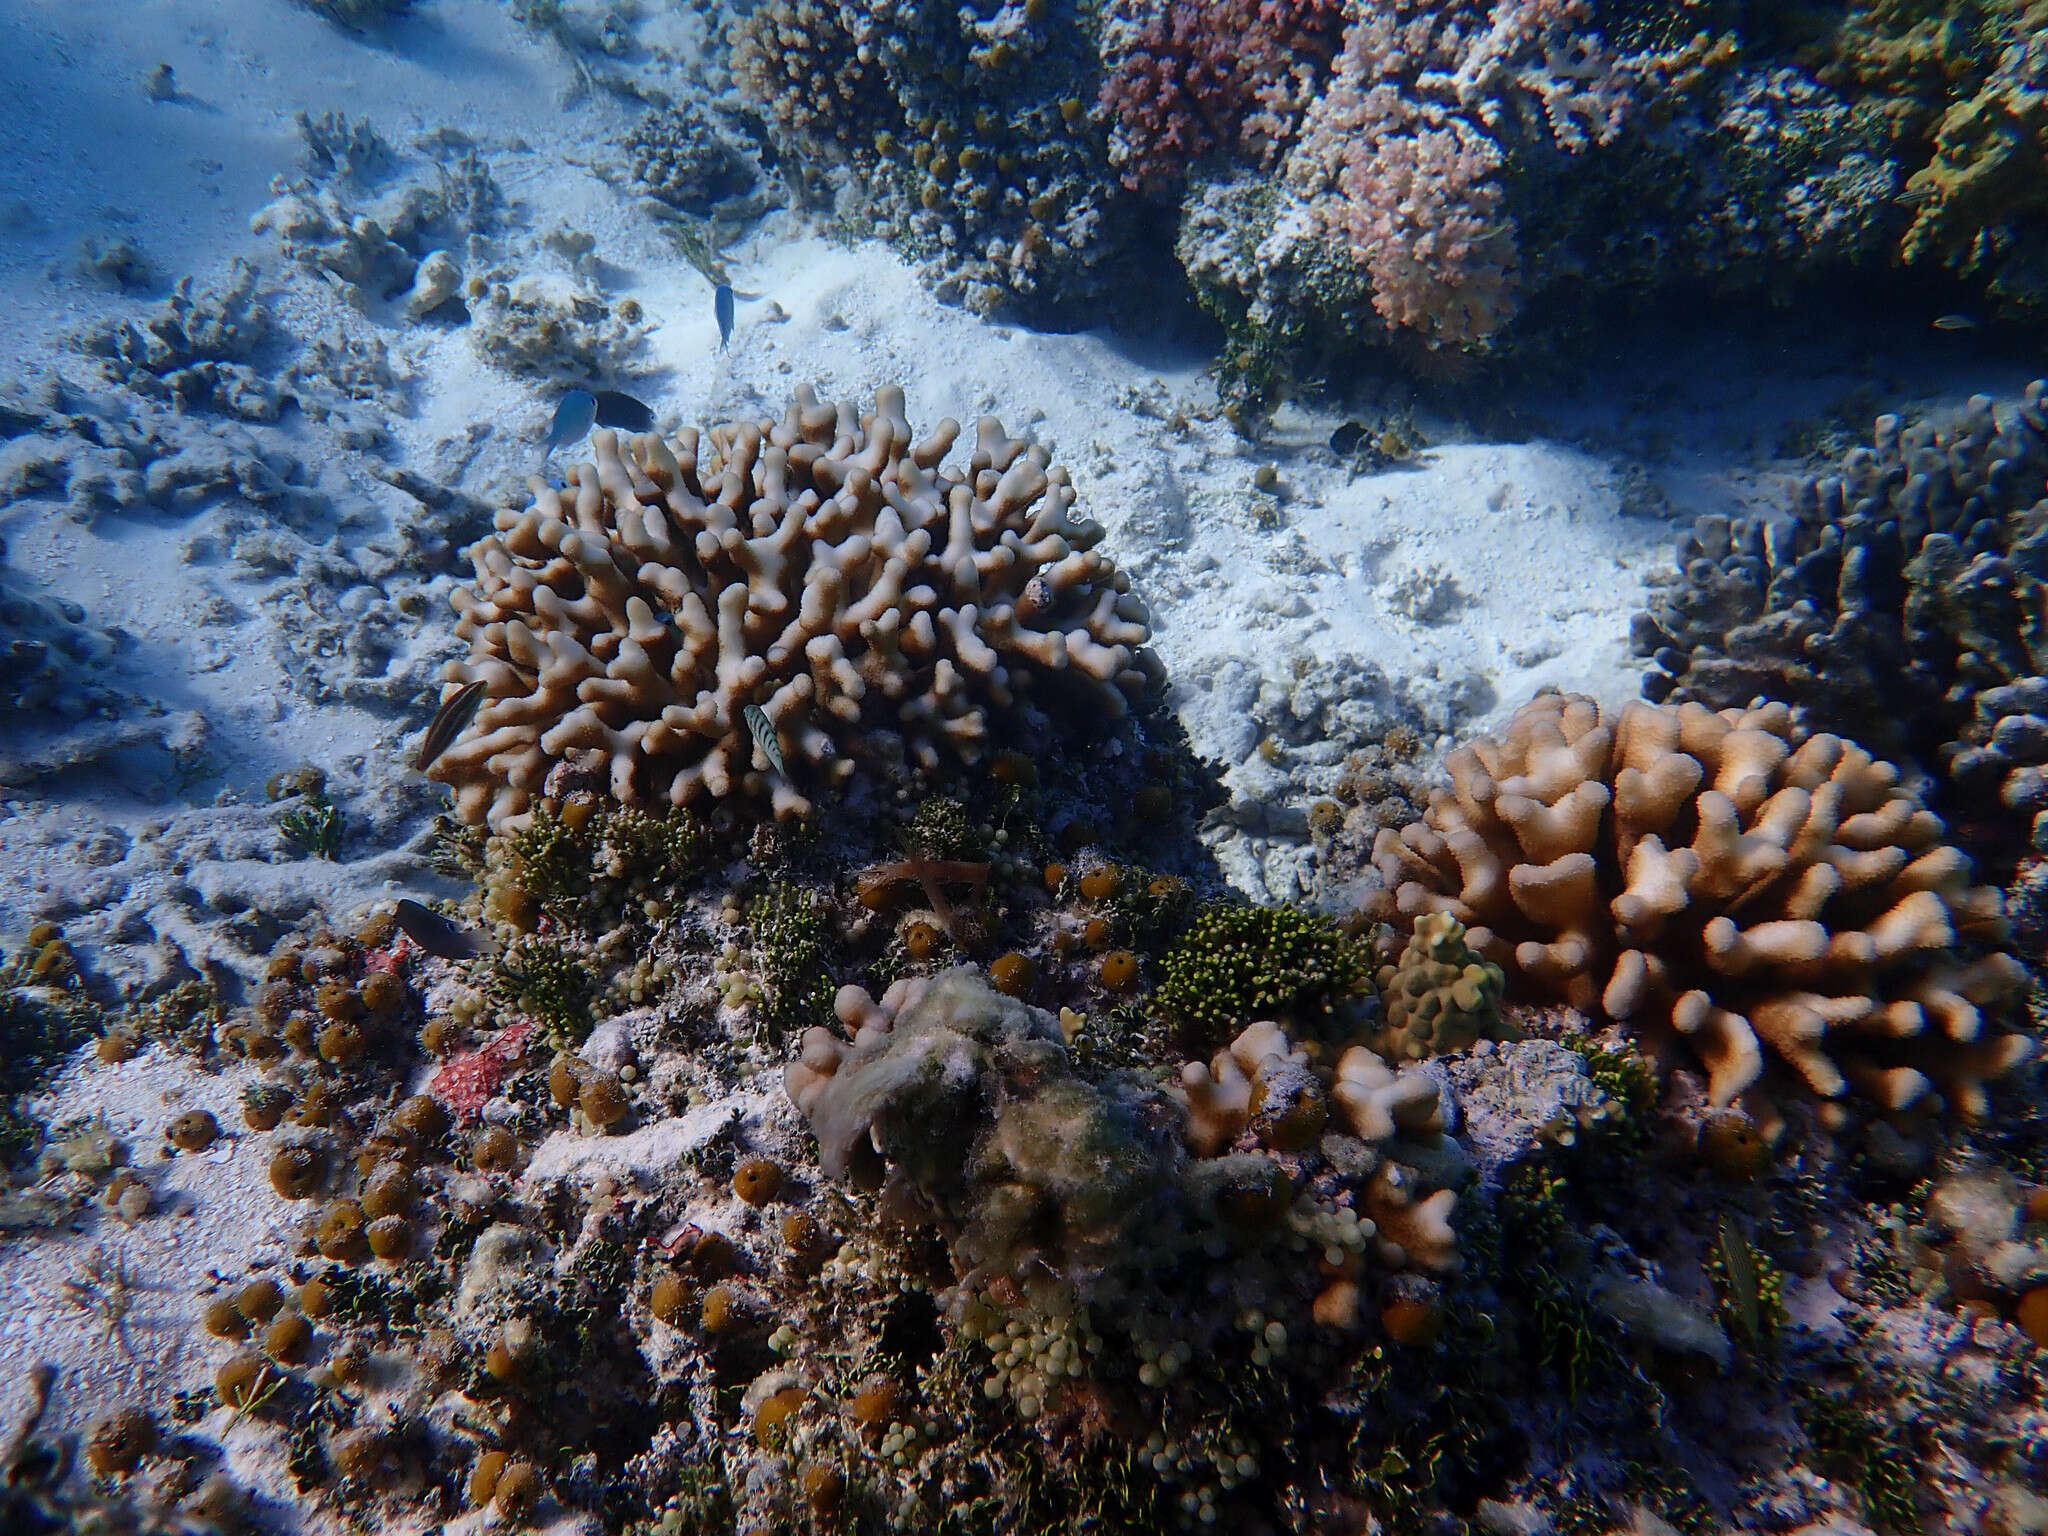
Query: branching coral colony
x=1776, y=908
x=755, y=610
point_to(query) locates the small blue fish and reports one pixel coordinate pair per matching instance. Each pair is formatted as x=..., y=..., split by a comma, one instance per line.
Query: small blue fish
x=721, y=305
x=623, y=411
x=573, y=418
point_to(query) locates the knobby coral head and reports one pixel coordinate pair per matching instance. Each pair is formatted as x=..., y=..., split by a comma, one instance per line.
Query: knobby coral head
x=754, y=610
x=1773, y=905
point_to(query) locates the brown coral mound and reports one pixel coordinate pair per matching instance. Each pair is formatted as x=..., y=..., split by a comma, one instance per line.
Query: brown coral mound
x=750, y=611
x=1717, y=881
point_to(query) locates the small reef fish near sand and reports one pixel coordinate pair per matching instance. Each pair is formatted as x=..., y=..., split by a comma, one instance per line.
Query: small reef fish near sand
x=455, y=712
x=436, y=935
x=614, y=409
x=573, y=418
x=721, y=306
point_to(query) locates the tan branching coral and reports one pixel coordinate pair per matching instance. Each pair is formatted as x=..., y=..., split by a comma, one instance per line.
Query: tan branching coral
x=750, y=611
x=1264, y=1083
x=1713, y=880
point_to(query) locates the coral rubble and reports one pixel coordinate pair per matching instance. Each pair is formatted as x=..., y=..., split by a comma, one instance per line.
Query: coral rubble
x=1770, y=904
x=56, y=663
x=195, y=349
x=754, y=610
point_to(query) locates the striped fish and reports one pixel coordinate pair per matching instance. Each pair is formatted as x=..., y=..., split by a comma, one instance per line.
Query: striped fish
x=1745, y=1289
x=456, y=711
x=765, y=737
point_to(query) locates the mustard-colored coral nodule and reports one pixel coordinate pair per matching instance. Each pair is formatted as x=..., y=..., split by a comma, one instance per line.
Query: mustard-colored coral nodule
x=1726, y=888
x=824, y=571
x=1439, y=996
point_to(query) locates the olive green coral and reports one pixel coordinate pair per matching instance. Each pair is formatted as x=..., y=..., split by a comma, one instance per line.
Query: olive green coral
x=1440, y=995
x=1237, y=963
x=790, y=946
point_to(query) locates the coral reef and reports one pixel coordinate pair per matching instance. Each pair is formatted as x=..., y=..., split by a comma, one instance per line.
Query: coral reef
x=683, y=159
x=1035, y=1267
x=1464, y=164
x=968, y=135
x=756, y=610
x=1770, y=905
x=1069, y=1203
x=1897, y=604
x=1965, y=91
x=1449, y=180
x=1236, y=75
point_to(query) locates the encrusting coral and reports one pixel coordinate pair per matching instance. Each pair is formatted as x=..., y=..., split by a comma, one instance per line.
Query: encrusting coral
x=755, y=610
x=1723, y=887
x=1898, y=603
